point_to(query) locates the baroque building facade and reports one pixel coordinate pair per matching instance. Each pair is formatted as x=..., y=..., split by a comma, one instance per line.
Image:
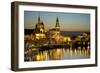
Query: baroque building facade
x=39, y=30
x=55, y=33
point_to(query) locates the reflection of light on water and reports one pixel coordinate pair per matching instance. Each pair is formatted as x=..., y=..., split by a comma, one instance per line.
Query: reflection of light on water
x=80, y=52
x=71, y=52
x=45, y=54
x=85, y=52
x=75, y=52
x=88, y=47
x=39, y=57
x=57, y=54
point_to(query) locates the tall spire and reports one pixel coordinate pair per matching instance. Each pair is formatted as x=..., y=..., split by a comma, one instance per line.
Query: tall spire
x=38, y=19
x=57, y=23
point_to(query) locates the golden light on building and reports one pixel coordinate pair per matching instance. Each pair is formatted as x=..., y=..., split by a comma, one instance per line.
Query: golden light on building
x=66, y=38
x=40, y=36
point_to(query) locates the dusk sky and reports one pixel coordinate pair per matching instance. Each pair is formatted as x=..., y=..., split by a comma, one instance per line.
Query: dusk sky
x=68, y=21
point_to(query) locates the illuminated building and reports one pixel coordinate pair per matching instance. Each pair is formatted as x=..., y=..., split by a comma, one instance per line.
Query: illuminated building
x=66, y=39
x=39, y=30
x=55, y=36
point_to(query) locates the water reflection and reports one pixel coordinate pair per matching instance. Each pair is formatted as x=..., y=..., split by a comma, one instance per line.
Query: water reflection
x=57, y=54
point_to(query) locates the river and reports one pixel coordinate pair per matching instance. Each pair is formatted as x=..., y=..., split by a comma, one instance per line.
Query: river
x=58, y=54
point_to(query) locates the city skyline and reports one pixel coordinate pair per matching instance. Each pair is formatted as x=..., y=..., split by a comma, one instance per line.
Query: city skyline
x=68, y=21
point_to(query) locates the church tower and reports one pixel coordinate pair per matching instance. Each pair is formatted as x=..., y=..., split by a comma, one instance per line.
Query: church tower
x=39, y=28
x=38, y=19
x=57, y=24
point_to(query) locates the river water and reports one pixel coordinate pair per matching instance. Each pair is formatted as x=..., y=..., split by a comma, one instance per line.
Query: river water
x=58, y=54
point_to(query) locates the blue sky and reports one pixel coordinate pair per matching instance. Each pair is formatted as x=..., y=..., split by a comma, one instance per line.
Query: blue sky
x=68, y=21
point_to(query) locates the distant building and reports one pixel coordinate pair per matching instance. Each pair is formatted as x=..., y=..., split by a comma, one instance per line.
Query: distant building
x=57, y=27
x=39, y=30
x=54, y=34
